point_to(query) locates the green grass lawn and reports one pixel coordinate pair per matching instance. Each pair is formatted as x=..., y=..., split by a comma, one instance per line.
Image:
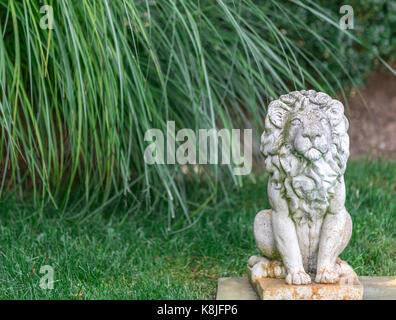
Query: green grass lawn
x=131, y=256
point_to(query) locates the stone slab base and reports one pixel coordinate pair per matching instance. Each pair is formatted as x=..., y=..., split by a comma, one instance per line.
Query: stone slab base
x=277, y=289
x=239, y=288
x=348, y=288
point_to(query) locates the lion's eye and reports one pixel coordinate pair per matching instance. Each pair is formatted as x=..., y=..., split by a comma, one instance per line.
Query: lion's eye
x=295, y=122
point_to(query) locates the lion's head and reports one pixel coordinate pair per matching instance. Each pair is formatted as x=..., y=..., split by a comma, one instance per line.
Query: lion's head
x=305, y=143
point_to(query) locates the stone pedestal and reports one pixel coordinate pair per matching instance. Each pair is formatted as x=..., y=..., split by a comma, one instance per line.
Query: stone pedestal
x=276, y=289
x=239, y=288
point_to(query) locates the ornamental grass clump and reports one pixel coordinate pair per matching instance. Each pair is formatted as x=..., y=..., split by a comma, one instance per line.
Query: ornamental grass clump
x=76, y=100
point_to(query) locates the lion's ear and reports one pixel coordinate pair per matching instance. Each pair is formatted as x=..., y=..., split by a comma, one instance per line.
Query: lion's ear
x=277, y=113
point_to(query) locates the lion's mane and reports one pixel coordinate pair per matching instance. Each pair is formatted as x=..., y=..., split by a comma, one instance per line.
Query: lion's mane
x=278, y=151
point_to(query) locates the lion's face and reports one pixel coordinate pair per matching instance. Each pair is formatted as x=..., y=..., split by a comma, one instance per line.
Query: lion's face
x=307, y=126
x=309, y=134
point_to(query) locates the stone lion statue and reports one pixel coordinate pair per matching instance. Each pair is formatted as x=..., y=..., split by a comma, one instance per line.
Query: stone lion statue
x=306, y=147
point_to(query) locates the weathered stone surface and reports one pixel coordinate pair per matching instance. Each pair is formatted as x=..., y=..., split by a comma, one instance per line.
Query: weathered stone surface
x=235, y=289
x=306, y=146
x=379, y=288
x=269, y=285
x=277, y=289
x=239, y=288
x=347, y=287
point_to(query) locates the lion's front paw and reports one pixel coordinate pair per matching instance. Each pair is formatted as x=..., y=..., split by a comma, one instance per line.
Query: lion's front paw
x=327, y=275
x=298, y=277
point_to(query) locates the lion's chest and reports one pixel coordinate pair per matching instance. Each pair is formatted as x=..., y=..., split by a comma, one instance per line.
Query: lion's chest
x=310, y=190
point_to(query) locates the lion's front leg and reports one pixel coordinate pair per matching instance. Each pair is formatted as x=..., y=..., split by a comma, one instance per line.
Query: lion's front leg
x=335, y=234
x=287, y=244
x=286, y=240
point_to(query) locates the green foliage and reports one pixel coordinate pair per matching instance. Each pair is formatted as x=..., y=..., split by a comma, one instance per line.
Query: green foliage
x=128, y=256
x=76, y=101
x=374, y=26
